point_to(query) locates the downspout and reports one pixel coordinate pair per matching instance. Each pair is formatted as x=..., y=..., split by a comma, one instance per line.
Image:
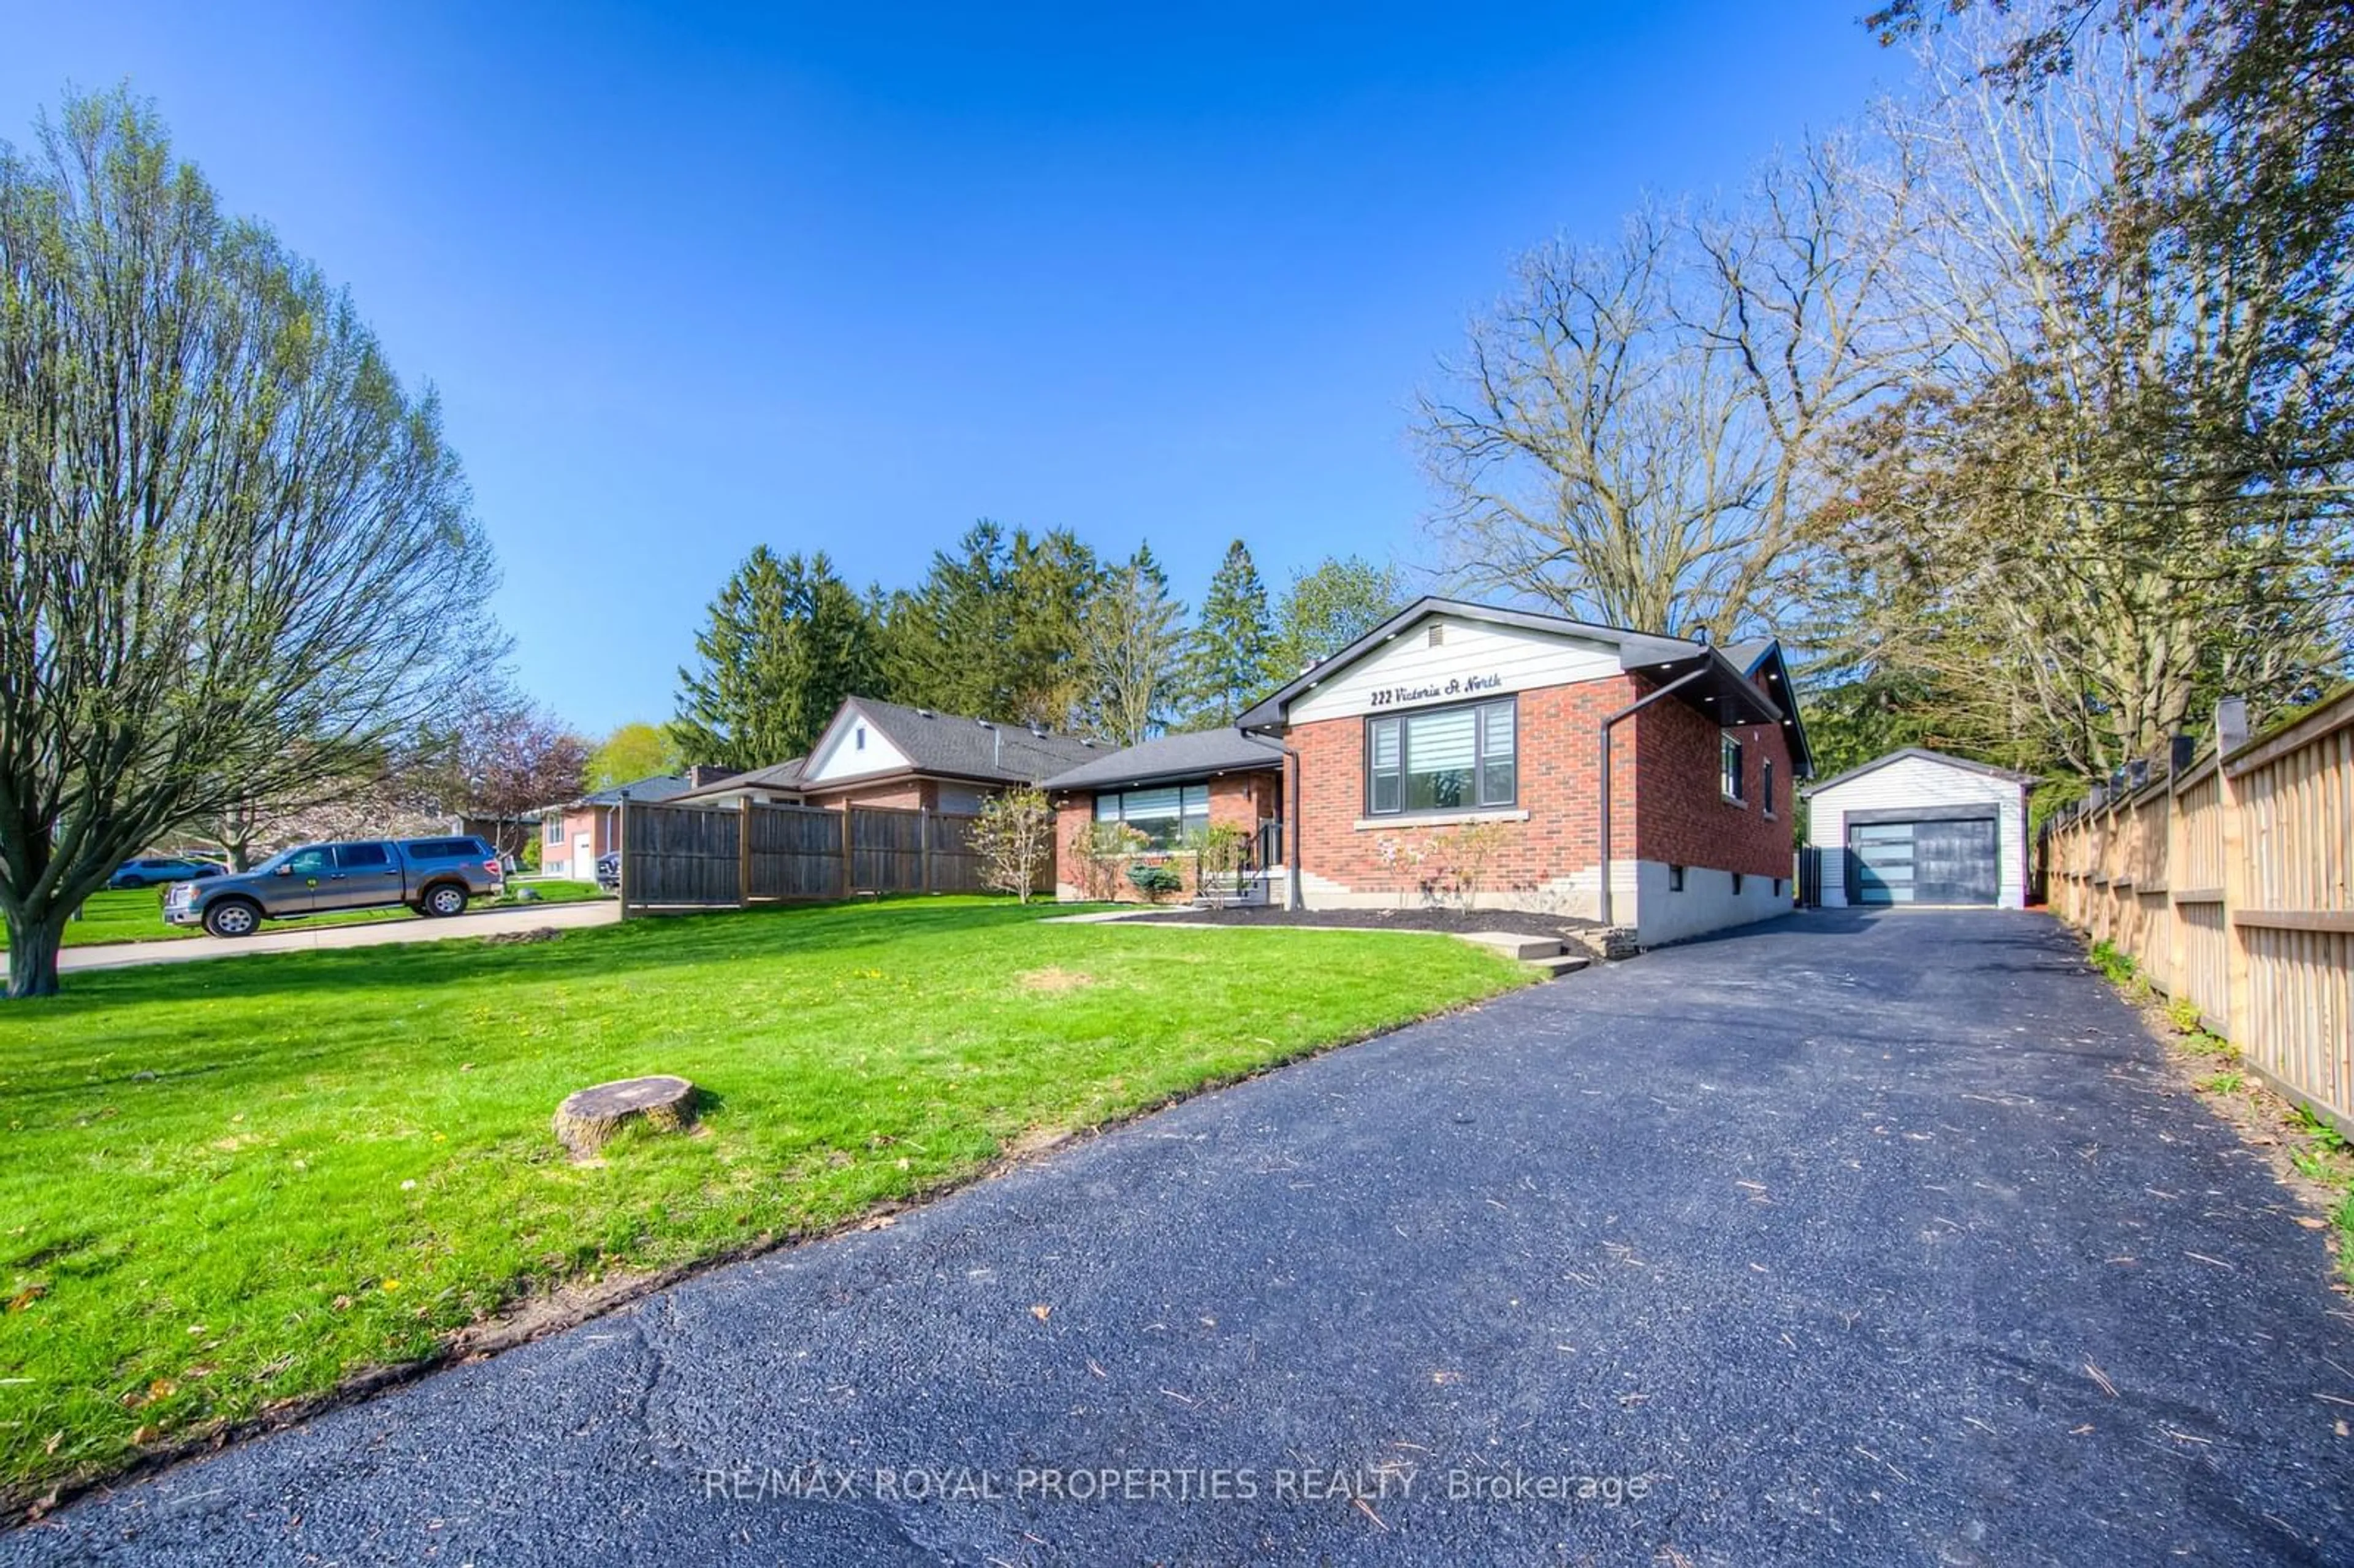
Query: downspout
x=1637, y=705
x=1291, y=827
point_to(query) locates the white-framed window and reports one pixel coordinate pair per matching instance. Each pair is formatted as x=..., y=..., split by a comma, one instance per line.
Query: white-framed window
x=1167, y=817
x=555, y=833
x=1729, y=755
x=1442, y=759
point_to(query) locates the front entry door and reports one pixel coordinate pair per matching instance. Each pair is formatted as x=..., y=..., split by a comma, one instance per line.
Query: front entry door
x=584, y=857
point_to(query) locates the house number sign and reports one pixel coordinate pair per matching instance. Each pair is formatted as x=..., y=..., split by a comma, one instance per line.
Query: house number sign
x=1459, y=686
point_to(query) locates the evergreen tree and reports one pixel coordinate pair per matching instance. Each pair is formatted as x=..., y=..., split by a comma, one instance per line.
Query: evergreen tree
x=1134, y=633
x=787, y=641
x=994, y=630
x=1331, y=606
x=1229, y=658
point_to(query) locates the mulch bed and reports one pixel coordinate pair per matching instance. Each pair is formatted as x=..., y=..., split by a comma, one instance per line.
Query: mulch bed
x=1518, y=921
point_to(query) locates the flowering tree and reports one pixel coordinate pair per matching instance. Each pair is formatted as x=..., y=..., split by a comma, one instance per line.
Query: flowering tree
x=1014, y=836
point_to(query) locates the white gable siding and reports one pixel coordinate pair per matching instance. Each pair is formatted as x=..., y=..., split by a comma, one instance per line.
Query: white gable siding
x=1913, y=781
x=841, y=757
x=1473, y=659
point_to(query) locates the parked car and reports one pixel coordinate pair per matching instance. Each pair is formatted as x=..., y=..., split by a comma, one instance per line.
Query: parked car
x=609, y=870
x=159, y=869
x=432, y=876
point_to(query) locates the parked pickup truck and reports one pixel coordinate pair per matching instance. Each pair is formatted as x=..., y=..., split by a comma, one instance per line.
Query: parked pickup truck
x=432, y=876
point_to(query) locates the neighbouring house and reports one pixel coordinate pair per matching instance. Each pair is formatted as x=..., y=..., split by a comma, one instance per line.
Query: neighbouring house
x=1917, y=826
x=573, y=834
x=1169, y=791
x=1455, y=754
x=778, y=784
x=884, y=754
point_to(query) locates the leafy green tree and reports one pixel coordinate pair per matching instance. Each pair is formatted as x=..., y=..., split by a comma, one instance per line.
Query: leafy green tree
x=1134, y=633
x=1330, y=606
x=634, y=750
x=786, y=643
x=1229, y=659
x=235, y=554
x=994, y=629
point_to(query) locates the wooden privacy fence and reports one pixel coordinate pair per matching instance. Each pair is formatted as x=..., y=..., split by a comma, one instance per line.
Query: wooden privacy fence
x=2228, y=881
x=723, y=857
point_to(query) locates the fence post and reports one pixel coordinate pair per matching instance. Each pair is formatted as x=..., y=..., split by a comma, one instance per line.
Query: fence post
x=744, y=854
x=2231, y=734
x=924, y=827
x=848, y=863
x=622, y=850
x=2177, y=855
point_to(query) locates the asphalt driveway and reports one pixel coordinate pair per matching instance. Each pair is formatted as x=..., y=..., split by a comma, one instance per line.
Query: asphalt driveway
x=1849, y=1239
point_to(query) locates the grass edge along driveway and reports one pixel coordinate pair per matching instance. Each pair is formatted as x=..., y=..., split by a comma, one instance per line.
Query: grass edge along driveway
x=231, y=1185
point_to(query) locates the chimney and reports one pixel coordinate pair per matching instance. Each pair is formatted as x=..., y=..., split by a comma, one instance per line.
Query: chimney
x=703, y=773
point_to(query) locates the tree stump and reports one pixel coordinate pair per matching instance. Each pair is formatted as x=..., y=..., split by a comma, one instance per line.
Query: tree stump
x=587, y=1119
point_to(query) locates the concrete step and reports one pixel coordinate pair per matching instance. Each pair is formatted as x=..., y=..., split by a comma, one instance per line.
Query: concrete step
x=1514, y=945
x=1564, y=964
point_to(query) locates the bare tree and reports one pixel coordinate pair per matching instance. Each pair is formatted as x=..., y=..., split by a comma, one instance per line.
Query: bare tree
x=1637, y=433
x=1132, y=634
x=2098, y=487
x=233, y=553
x=1014, y=836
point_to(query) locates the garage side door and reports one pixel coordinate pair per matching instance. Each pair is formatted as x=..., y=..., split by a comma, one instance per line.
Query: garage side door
x=1944, y=860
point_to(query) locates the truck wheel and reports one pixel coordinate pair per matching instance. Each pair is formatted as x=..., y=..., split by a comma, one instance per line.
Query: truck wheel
x=232, y=918
x=449, y=898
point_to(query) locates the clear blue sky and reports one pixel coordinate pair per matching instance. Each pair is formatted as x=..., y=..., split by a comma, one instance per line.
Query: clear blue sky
x=691, y=277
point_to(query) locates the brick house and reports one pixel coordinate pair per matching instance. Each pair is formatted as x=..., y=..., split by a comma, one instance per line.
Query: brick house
x=875, y=753
x=572, y=834
x=1169, y=791
x=1457, y=748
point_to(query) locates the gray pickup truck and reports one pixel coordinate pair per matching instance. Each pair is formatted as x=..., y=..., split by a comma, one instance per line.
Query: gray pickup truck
x=432, y=876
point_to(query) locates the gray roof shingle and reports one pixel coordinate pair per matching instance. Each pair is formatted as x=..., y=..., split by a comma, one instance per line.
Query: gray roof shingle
x=972, y=748
x=779, y=775
x=658, y=787
x=1196, y=755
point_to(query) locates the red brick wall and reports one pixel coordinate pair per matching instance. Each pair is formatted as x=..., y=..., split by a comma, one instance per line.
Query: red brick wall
x=1684, y=818
x=1557, y=732
x=901, y=795
x=1667, y=803
x=1236, y=799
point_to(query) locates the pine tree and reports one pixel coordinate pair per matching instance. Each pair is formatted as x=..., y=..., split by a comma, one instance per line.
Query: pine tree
x=994, y=630
x=787, y=641
x=1228, y=658
x=1134, y=633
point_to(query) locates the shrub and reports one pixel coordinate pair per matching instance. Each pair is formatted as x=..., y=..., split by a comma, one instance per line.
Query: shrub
x=1152, y=878
x=1100, y=850
x=1014, y=836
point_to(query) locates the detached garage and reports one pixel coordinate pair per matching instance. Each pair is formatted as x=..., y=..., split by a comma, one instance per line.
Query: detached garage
x=1919, y=827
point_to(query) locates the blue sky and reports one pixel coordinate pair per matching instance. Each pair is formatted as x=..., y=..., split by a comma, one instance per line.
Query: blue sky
x=692, y=277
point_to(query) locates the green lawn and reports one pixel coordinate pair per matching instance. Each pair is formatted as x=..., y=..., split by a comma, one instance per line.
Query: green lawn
x=136, y=915
x=235, y=1182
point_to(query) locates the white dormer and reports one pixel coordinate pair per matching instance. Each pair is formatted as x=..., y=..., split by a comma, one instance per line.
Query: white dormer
x=851, y=748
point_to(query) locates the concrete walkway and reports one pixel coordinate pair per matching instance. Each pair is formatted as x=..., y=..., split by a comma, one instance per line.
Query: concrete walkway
x=295, y=936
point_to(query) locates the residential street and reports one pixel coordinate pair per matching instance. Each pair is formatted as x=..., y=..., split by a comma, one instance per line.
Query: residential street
x=295, y=936
x=1849, y=1238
